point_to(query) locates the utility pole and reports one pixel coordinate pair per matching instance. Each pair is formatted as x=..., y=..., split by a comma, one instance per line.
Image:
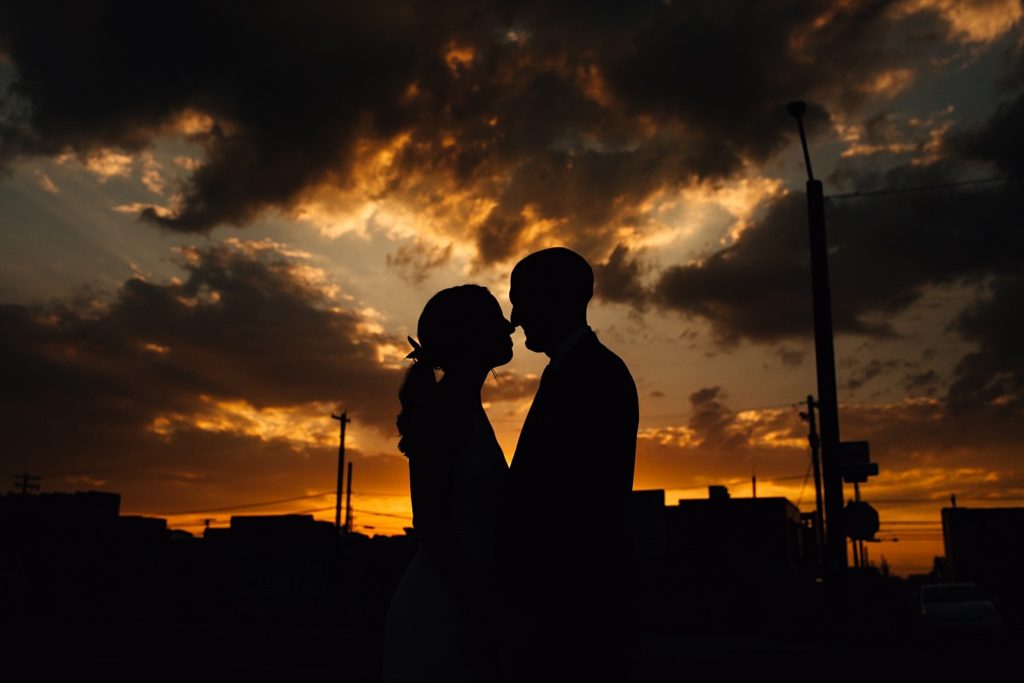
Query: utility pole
x=858, y=543
x=27, y=482
x=815, y=442
x=348, y=502
x=343, y=419
x=828, y=403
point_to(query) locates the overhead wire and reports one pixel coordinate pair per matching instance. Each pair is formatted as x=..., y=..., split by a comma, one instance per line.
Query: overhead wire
x=807, y=476
x=926, y=188
x=242, y=506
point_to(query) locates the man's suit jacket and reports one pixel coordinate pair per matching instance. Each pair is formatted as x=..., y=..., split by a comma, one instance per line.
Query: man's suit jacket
x=564, y=530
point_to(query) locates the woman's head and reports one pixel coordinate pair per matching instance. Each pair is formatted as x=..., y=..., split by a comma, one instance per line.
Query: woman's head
x=460, y=329
x=464, y=326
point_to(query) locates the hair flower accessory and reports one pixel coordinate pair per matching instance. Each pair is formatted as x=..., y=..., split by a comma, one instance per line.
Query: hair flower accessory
x=417, y=350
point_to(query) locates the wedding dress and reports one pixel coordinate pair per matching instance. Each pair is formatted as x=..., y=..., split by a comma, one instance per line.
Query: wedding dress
x=428, y=632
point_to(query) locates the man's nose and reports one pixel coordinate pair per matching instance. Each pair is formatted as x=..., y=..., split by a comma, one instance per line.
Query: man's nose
x=514, y=319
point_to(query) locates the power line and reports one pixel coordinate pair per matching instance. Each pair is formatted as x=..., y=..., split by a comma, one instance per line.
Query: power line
x=361, y=511
x=242, y=506
x=380, y=494
x=382, y=514
x=807, y=475
x=924, y=188
x=309, y=511
x=792, y=477
x=276, y=501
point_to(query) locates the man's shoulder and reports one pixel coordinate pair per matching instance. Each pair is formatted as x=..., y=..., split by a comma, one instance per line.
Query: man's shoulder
x=596, y=360
x=598, y=352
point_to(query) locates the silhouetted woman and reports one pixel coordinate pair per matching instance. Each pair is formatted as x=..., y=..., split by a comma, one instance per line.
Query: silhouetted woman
x=438, y=627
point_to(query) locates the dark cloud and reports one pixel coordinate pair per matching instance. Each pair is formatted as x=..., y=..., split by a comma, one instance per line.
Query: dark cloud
x=290, y=85
x=569, y=128
x=876, y=367
x=717, y=446
x=922, y=433
x=713, y=422
x=247, y=323
x=414, y=262
x=619, y=279
x=992, y=378
x=925, y=380
x=643, y=97
x=756, y=288
x=999, y=141
x=791, y=357
x=885, y=251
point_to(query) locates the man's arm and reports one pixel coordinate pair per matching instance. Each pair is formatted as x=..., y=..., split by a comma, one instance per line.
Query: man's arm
x=608, y=421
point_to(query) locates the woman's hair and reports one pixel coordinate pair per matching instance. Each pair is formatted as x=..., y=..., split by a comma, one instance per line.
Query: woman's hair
x=445, y=323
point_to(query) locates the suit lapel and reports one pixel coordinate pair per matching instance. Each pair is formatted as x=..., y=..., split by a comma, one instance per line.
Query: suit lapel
x=548, y=392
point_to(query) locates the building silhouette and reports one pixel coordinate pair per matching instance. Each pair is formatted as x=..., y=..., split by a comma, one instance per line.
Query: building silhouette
x=986, y=546
x=721, y=563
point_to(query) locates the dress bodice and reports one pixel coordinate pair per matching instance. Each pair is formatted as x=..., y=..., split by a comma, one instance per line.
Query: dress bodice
x=479, y=473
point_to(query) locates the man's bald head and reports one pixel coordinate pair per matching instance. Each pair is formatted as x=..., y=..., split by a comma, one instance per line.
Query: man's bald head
x=550, y=292
x=560, y=271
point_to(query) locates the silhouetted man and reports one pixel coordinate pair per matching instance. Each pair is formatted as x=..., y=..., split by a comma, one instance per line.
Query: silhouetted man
x=563, y=536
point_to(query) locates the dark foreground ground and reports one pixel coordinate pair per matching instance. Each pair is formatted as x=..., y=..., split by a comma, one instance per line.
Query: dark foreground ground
x=313, y=646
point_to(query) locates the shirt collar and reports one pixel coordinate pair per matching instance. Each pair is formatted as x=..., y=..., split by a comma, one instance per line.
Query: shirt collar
x=566, y=346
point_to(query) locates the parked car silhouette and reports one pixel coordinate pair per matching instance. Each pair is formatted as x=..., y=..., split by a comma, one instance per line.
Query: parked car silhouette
x=958, y=608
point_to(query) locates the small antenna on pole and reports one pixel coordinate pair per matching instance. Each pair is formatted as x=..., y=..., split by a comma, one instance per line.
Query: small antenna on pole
x=797, y=110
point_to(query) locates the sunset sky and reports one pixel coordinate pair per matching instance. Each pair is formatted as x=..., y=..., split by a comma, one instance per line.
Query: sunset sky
x=218, y=223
